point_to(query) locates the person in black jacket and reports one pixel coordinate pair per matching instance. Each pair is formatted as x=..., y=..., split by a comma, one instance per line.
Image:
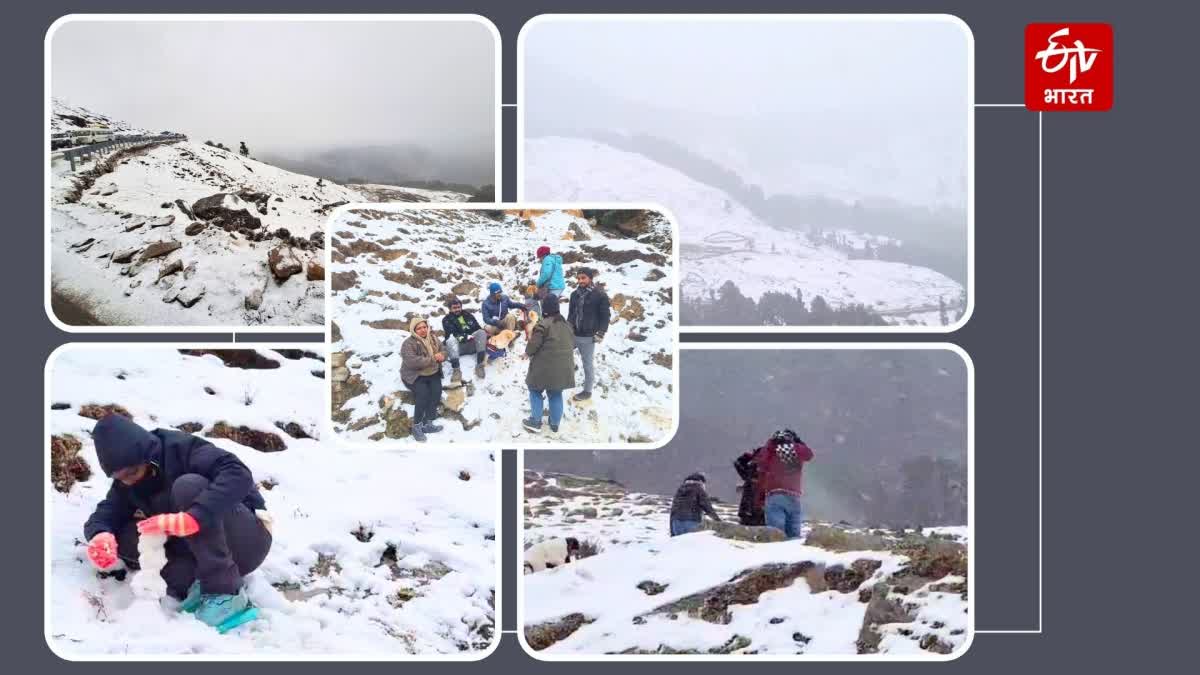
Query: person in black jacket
x=750, y=507
x=690, y=504
x=588, y=314
x=204, y=498
x=463, y=336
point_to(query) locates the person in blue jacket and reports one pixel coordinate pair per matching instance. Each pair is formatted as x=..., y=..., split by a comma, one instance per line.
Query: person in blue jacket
x=497, y=311
x=203, y=498
x=550, y=280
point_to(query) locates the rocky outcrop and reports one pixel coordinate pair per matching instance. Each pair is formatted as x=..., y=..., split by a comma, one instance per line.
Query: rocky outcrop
x=246, y=359
x=263, y=441
x=283, y=263
x=754, y=533
x=542, y=635
x=226, y=211
x=66, y=466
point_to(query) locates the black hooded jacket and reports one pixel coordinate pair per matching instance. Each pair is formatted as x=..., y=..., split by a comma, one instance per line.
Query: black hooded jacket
x=120, y=443
x=691, y=501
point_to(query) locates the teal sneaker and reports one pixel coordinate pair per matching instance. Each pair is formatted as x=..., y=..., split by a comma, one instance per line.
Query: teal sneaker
x=192, y=601
x=224, y=612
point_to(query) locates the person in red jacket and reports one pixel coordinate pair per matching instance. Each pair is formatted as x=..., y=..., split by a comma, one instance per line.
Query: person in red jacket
x=780, y=465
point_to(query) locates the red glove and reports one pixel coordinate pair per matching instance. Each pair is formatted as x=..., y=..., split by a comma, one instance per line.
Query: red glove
x=180, y=524
x=102, y=550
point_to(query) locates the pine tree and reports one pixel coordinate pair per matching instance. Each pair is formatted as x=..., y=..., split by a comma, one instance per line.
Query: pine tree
x=244, y=151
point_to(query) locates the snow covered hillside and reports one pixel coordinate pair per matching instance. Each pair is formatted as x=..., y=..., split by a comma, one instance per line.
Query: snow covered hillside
x=374, y=553
x=67, y=117
x=732, y=589
x=187, y=233
x=721, y=240
x=391, y=264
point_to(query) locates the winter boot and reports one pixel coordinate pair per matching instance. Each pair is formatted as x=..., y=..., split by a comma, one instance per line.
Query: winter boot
x=479, y=368
x=225, y=612
x=430, y=427
x=532, y=425
x=418, y=432
x=582, y=396
x=456, y=378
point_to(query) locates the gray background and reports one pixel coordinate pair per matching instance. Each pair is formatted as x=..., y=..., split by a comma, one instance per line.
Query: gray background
x=1118, y=238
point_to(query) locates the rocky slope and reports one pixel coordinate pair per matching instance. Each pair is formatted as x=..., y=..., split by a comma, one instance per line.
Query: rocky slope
x=732, y=589
x=373, y=554
x=390, y=265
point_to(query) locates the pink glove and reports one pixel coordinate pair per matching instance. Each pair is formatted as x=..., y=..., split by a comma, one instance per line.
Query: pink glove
x=180, y=524
x=102, y=550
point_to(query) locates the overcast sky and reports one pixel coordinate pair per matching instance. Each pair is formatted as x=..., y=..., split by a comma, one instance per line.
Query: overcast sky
x=770, y=99
x=285, y=86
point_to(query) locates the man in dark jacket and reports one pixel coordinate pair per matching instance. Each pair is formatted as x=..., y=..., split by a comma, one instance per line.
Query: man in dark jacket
x=780, y=466
x=203, y=498
x=690, y=504
x=588, y=314
x=463, y=337
x=750, y=507
x=497, y=311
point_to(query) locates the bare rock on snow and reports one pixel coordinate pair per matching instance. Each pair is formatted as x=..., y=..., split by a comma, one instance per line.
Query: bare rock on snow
x=315, y=271
x=165, y=221
x=66, y=466
x=753, y=533
x=186, y=210
x=880, y=610
x=226, y=211
x=194, y=229
x=169, y=269
x=158, y=249
x=125, y=255
x=283, y=263
x=263, y=441
x=133, y=226
x=98, y=412
x=542, y=635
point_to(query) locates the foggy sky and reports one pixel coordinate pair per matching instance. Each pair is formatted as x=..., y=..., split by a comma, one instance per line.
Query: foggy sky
x=287, y=87
x=766, y=98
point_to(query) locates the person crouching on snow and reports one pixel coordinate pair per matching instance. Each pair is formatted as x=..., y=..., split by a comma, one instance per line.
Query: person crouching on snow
x=421, y=357
x=551, y=352
x=550, y=554
x=463, y=337
x=204, y=499
x=690, y=504
x=497, y=311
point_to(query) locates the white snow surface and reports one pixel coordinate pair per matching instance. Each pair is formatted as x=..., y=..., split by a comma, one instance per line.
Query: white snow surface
x=417, y=503
x=721, y=240
x=633, y=533
x=633, y=399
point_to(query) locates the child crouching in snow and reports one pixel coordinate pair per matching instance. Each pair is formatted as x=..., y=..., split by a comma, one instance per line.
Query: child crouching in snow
x=203, y=501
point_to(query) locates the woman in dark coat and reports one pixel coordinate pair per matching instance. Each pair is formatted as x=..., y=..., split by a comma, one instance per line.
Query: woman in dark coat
x=551, y=364
x=421, y=357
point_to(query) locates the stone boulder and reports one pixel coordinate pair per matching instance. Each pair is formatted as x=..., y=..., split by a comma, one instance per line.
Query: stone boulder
x=283, y=263
x=226, y=211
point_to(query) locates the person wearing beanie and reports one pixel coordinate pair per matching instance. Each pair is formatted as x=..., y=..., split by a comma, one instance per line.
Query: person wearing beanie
x=202, y=498
x=550, y=278
x=463, y=336
x=551, y=365
x=690, y=504
x=421, y=358
x=589, y=313
x=497, y=311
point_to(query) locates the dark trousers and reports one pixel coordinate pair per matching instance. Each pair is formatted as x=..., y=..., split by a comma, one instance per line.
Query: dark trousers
x=218, y=556
x=427, y=389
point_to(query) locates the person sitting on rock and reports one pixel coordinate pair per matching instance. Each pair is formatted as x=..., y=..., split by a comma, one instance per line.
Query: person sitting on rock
x=421, y=358
x=463, y=337
x=551, y=553
x=690, y=504
x=588, y=313
x=750, y=506
x=780, y=465
x=498, y=311
x=550, y=276
x=551, y=365
x=204, y=499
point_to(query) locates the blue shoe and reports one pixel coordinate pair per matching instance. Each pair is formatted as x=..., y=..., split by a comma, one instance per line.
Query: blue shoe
x=192, y=601
x=531, y=425
x=219, y=610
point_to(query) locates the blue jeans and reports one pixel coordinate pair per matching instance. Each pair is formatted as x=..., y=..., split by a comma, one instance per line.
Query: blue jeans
x=556, y=405
x=679, y=527
x=783, y=512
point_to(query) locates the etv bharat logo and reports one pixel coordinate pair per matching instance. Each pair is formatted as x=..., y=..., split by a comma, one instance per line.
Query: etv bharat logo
x=1080, y=54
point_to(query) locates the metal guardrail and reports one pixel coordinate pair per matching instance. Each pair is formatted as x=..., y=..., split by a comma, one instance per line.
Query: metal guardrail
x=84, y=152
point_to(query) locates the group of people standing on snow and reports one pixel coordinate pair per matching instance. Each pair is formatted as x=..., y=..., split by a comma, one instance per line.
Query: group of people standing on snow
x=771, y=489
x=550, y=345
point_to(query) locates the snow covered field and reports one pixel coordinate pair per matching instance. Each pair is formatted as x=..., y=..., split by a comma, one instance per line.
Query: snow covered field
x=391, y=264
x=648, y=593
x=133, y=247
x=377, y=554
x=721, y=240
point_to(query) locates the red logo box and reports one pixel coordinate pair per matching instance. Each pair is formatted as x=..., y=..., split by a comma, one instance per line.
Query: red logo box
x=1068, y=67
